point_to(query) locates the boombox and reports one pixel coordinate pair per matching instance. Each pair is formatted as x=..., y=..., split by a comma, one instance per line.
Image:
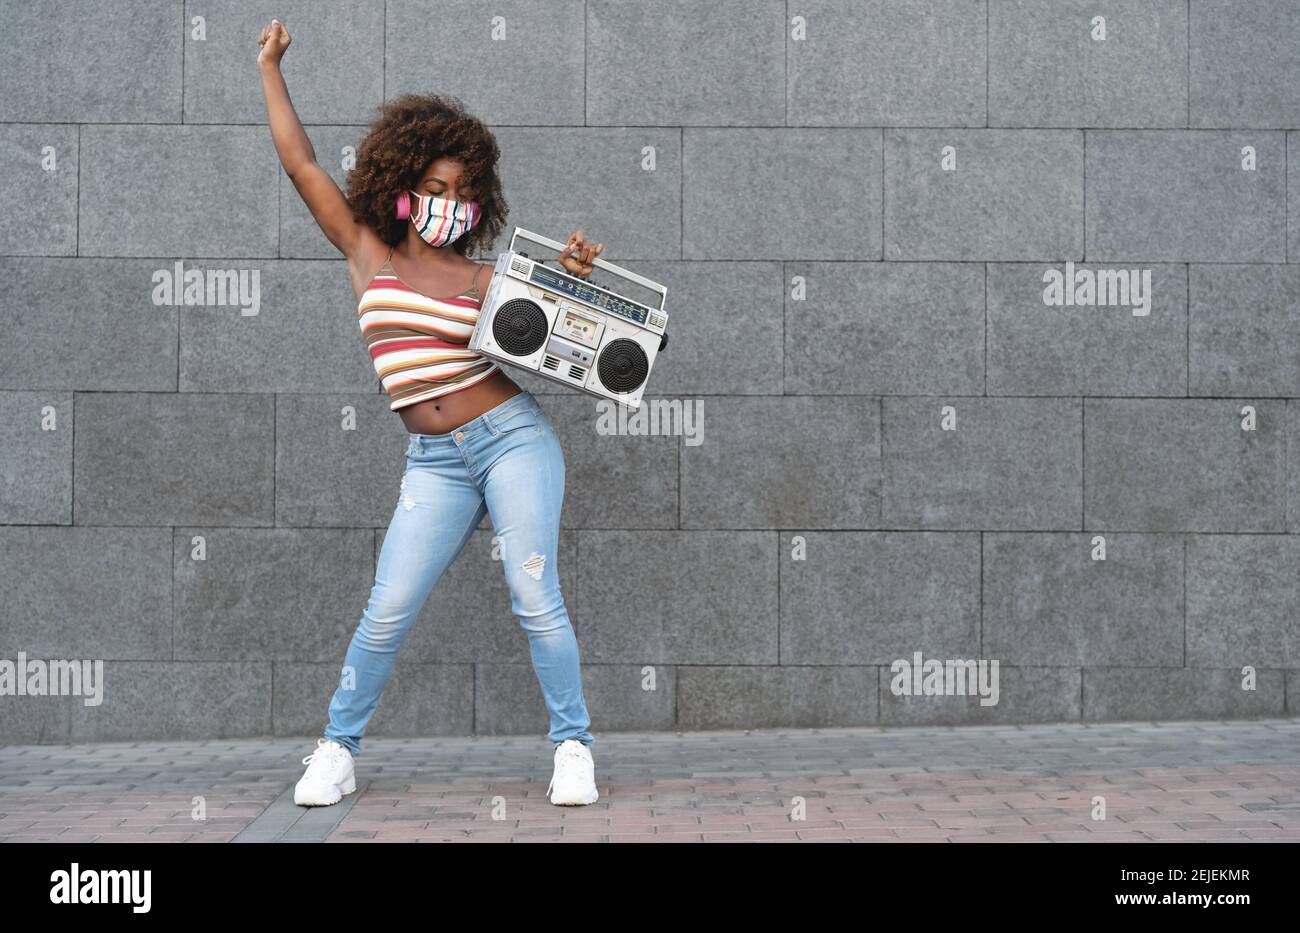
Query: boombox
x=568, y=329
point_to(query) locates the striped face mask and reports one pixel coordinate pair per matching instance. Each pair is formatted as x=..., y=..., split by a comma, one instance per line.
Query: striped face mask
x=440, y=221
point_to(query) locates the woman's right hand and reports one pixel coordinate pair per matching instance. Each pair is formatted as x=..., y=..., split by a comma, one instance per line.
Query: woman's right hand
x=273, y=42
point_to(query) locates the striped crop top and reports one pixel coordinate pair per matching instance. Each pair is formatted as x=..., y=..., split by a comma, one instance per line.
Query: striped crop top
x=419, y=343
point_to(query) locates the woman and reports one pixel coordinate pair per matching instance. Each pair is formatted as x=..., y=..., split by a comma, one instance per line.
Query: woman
x=423, y=193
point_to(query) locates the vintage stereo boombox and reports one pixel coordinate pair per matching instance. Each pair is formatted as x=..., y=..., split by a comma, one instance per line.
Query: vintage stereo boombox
x=569, y=329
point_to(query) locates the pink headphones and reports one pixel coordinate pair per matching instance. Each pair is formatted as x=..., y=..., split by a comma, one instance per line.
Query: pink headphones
x=403, y=205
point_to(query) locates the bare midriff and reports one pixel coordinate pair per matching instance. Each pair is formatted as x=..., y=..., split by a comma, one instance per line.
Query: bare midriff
x=446, y=413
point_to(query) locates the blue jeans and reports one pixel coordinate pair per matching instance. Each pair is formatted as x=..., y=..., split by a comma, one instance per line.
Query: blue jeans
x=507, y=463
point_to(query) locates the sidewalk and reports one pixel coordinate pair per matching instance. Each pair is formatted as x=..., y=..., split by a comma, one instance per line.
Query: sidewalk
x=1161, y=781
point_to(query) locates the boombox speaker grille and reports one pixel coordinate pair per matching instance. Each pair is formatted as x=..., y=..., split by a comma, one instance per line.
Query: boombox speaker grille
x=622, y=366
x=519, y=327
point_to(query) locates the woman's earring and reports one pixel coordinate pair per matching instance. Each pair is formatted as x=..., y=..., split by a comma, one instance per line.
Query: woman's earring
x=403, y=205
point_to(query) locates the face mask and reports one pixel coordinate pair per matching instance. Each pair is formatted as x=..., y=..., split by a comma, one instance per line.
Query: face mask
x=440, y=221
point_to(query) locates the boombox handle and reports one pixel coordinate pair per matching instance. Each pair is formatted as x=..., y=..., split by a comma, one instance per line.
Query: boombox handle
x=601, y=263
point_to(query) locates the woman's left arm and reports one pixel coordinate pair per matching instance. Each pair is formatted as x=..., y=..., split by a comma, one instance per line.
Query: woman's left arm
x=578, y=253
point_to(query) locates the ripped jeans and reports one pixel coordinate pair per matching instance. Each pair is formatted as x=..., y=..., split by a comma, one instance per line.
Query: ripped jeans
x=507, y=463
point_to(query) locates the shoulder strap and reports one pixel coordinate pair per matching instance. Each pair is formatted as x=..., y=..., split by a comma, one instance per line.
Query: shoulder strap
x=473, y=285
x=388, y=260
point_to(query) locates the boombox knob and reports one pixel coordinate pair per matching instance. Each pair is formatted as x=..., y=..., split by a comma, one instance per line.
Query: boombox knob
x=663, y=340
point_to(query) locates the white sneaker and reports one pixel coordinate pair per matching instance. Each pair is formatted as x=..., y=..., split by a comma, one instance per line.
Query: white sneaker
x=329, y=776
x=574, y=780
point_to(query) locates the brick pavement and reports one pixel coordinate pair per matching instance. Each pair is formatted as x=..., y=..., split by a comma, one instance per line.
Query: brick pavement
x=1187, y=781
